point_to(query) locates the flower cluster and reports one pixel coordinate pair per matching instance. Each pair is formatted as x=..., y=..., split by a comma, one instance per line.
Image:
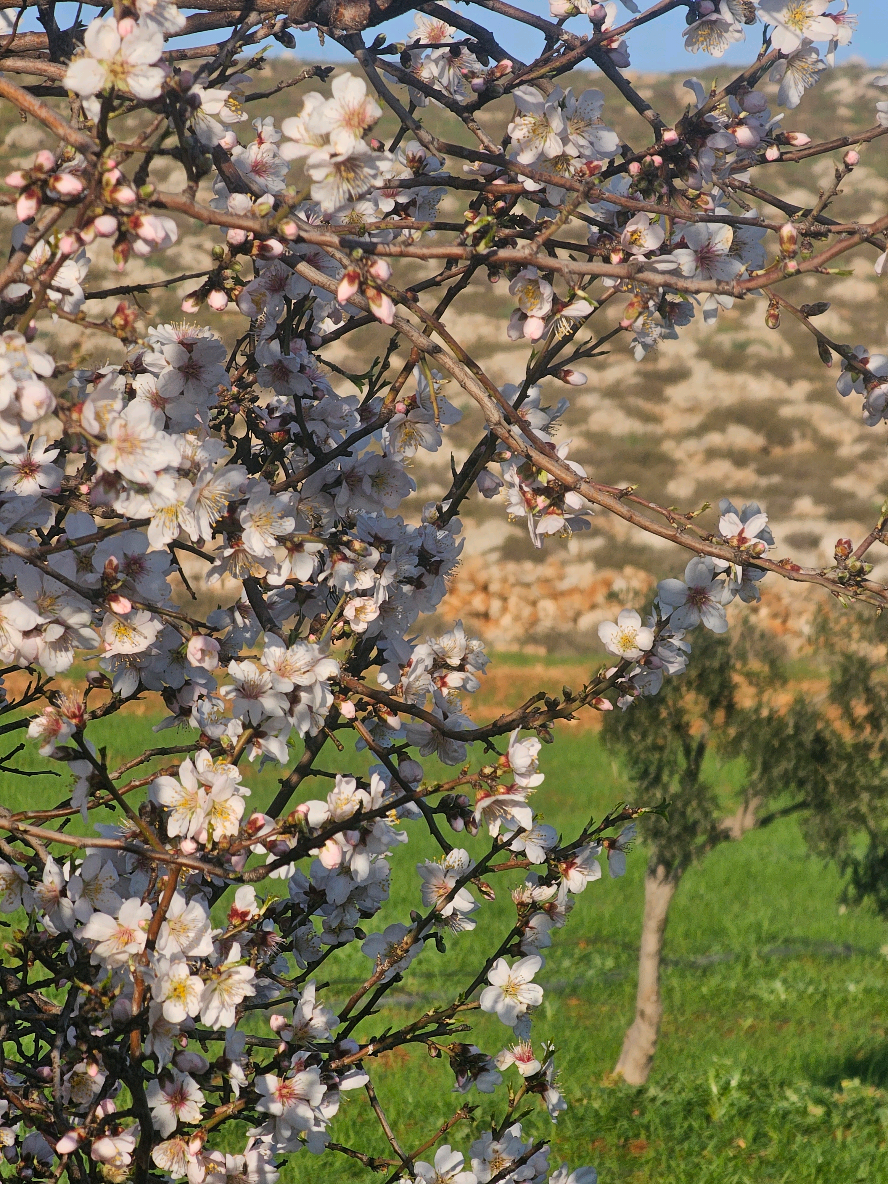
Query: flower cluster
x=221, y=550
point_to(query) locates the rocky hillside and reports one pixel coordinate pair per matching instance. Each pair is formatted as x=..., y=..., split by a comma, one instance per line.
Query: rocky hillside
x=733, y=410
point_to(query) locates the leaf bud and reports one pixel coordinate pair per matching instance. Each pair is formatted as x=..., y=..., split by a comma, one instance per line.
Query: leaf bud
x=815, y=310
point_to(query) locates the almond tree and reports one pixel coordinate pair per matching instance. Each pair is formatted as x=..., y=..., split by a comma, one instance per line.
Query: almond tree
x=664, y=750
x=138, y=1026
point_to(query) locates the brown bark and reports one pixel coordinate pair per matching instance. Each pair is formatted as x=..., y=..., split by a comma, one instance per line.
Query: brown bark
x=640, y=1041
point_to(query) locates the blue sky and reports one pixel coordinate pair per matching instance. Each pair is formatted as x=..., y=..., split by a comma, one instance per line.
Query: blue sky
x=654, y=47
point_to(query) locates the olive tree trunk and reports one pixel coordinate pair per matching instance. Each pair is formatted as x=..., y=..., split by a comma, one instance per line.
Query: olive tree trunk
x=640, y=1041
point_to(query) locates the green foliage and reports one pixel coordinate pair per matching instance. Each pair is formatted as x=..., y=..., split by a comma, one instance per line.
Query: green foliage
x=668, y=743
x=831, y=749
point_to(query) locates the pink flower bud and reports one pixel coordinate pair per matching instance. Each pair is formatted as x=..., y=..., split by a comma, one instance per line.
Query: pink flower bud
x=69, y=244
x=573, y=377
x=217, y=300
x=381, y=305
x=202, y=651
x=126, y=26
x=634, y=168
x=478, y=84
x=348, y=285
x=746, y=137
x=533, y=328
x=656, y=160
x=16, y=179
x=92, y=1069
x=69, y=1142
x=119, y=604
x=772, y=152
x=798, y=139
x=105, y=225
x=789, y=239
x=68, y=185
x=851, y=158
x=188, y=846
x=380, y=270
x=502, y=68
x=670, y=136
x=105, y=1107
x=269, y=248
x=191, y=304
x=347, y=709
x=123, y=195
x=236, y=237
x=27, y=205
x=597, y=13
x=330, y=854
x=44, y=161
x=289, y=229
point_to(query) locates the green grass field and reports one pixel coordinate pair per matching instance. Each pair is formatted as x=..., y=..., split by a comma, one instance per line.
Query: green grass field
x=773, y=1064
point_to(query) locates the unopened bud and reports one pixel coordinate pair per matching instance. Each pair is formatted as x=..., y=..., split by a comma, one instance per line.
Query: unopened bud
x=789, y=240
x=348, y=285
x=824, y=353
x=105, y=225
x=634, y=168
x=798, y=139
x=851, y=158
x=670, y=137
x=573, y=377
x=772, y=152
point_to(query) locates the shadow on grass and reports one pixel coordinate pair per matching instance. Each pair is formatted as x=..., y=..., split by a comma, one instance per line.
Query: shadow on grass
x=867, y=1064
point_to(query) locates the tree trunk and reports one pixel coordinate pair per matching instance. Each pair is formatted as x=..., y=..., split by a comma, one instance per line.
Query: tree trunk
x=640, y=1041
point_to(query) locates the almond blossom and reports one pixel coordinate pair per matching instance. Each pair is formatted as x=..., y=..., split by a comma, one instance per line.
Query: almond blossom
x=175, y=1100
x=120, y=54
x=512, y=990
x=227, y=986
x=118, y=938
